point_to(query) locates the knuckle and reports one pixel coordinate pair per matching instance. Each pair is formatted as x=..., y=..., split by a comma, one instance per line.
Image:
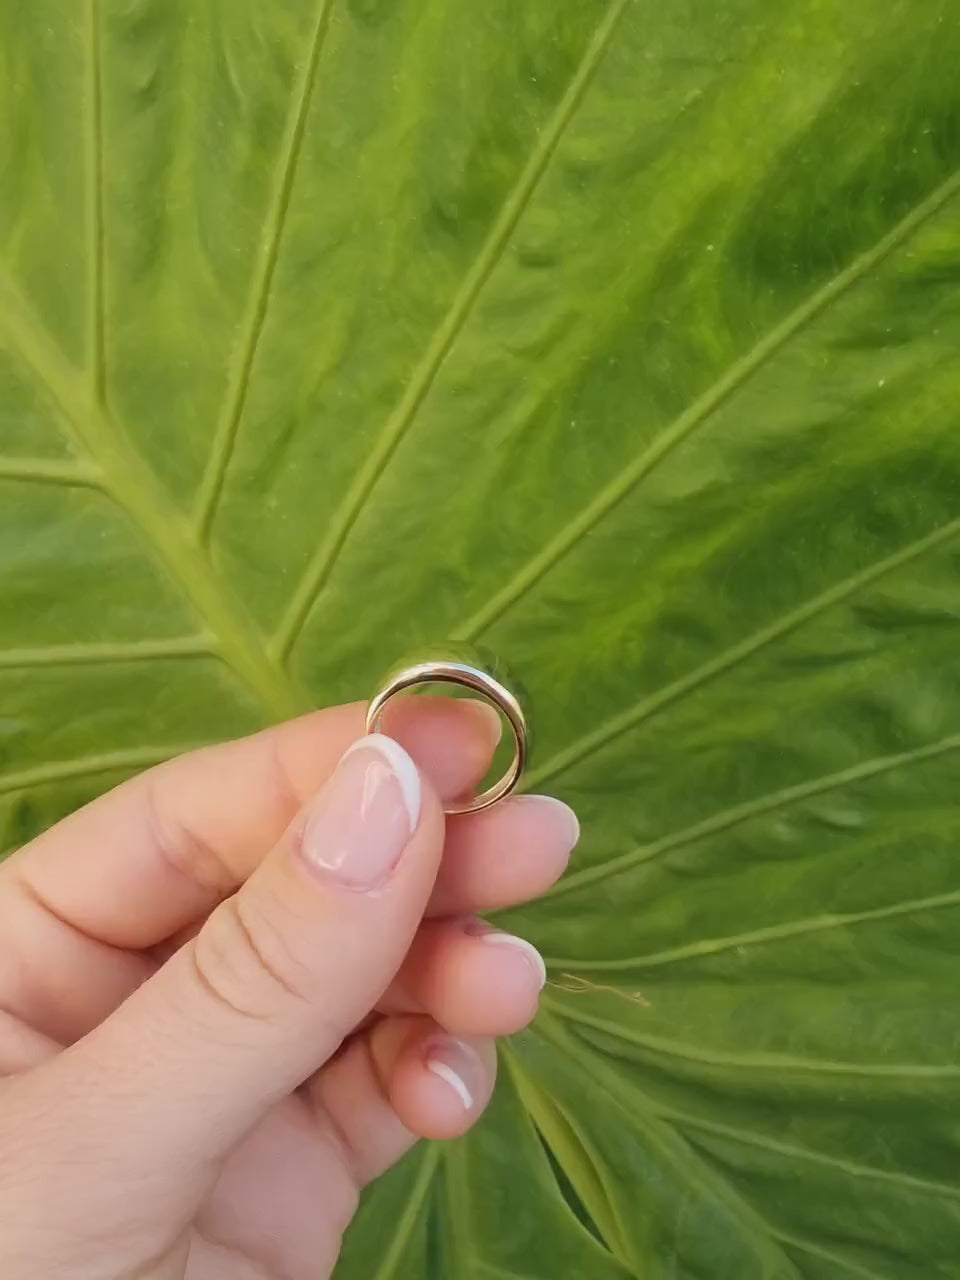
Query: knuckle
x=244, y=958
x=183, y=849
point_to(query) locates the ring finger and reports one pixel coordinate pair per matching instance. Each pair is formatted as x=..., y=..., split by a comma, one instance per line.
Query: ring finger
x=471, y=978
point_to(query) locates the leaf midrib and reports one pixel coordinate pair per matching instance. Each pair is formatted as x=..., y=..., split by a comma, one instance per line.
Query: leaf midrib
x=601, y=1206
x=674, y=1121
x=393, y=1253
x=131, y=485
x=694, y=1168
x=130, y=482
x=689, y=1165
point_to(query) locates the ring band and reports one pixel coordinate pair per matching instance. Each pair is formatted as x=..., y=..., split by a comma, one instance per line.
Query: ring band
x=479, y=681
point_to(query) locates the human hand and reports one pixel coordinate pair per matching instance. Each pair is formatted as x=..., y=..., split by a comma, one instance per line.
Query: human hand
x=238, y=987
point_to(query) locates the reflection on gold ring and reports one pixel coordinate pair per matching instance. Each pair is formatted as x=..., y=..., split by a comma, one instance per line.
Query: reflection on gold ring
x=477, y=680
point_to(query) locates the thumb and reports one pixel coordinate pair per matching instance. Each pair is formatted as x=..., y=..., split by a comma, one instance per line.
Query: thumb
x=277, y=977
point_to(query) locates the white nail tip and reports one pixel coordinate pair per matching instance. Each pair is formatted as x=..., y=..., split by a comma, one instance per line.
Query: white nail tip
x=497, y=939
x=448, y=1075
x=402, y=767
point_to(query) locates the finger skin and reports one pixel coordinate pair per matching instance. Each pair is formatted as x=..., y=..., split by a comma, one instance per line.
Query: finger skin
x=337, y=1134
x=157, y=854
x=505, y=855
x=380, y=1095
x=206, y=1050
x=425, y=1101
x=498, y=858
x=64, y=983
x=264, y=995
x=283, y=1199
x=196, y=1066
x=52, y=976
x=22, y=1047
x=471, y=978
x=175, y=840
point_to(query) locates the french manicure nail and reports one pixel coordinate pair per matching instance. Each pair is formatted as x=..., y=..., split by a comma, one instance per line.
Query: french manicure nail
x=497, y=938
x=364, y=816
x=456, y=1064
x=562, y=814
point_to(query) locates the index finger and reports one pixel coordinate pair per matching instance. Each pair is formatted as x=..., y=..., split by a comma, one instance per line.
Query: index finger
x=162, y=849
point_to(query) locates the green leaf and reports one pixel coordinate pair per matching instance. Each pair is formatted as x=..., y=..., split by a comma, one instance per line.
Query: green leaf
x=623, y=337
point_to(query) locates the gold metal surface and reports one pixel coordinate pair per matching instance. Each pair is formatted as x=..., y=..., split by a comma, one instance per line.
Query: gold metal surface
x=476, y=678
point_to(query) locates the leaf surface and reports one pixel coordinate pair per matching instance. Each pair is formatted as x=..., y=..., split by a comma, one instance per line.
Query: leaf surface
x=621, y=337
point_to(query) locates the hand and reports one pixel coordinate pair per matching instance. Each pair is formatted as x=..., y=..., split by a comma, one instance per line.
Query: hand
x=240, y=986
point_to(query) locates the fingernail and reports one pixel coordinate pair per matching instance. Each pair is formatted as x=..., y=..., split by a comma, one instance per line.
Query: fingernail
x=363, y=819
x=456, y=1064
x=489, y=718
x=497, y=938
x=562, y=815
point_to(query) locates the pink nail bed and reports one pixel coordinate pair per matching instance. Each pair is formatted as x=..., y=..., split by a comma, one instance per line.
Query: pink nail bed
x=363, y=818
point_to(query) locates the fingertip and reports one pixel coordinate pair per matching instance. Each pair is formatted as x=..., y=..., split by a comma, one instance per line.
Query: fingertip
x=401, y=765
x=472, y=979
x=487, y=720
x=441, y=1084
x=562, y=821
x=451, y=739
x=508, y=854
x=534, y=965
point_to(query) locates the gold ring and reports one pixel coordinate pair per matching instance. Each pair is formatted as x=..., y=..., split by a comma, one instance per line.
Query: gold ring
x=473, y=675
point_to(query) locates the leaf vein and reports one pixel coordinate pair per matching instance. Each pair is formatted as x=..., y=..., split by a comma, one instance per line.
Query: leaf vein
x=393, y=1253
x=258, y=301
x=854, y=1169
x=772, y=802
x=609, y=1230
x=95, y=652
x=910, y=1072
x=827, y=1255
x=689, y=1163
x=772, y=933
x=132, y=486
x=736, y=376
x=738, y=653
x=445, y=336
x=89, y=766
x=50, y=471
x=95, y=219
